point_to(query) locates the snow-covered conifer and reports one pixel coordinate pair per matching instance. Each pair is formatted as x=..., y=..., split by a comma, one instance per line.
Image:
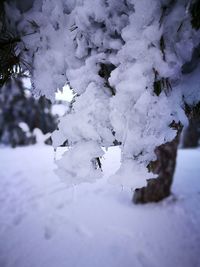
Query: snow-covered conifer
x=127, y=64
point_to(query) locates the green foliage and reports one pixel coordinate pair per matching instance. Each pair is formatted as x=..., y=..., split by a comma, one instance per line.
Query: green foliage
x=104, y=72
x=195, y=14
x=17, y=107
x=162, y=47
x=9, y=60
x=157, y=86
x=160, y=84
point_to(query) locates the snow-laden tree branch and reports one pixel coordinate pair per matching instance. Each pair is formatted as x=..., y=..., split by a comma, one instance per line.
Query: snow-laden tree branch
x=127, y=63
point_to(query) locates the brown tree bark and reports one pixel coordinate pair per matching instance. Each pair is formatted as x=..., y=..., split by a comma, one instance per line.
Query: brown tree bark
x=160, y=188
x=191, y=136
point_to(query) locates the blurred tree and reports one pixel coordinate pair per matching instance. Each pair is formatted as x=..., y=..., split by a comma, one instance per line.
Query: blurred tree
x=191, y=135
x=20, y=114
x=17, y=106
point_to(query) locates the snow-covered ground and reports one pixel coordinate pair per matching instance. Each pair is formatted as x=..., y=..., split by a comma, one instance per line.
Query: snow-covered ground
x=45, y=224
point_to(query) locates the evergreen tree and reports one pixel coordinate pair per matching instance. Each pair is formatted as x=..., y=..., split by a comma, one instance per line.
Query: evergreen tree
x=129, y=63
x=17, y=107
x=16, y=104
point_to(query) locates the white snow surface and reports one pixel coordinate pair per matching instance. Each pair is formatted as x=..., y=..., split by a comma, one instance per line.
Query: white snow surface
x=43, y=223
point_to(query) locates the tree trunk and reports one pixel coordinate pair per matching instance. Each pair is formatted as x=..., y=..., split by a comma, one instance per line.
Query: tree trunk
x=191, y=135
x=160, y=188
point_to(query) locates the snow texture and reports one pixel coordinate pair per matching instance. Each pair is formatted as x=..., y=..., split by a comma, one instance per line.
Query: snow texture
x=137, y=43
x=45, y=223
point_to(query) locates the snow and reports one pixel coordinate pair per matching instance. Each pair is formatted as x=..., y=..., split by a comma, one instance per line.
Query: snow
x=65, y=95
x=45, y=223
x=140, y=44
x=80, y=169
